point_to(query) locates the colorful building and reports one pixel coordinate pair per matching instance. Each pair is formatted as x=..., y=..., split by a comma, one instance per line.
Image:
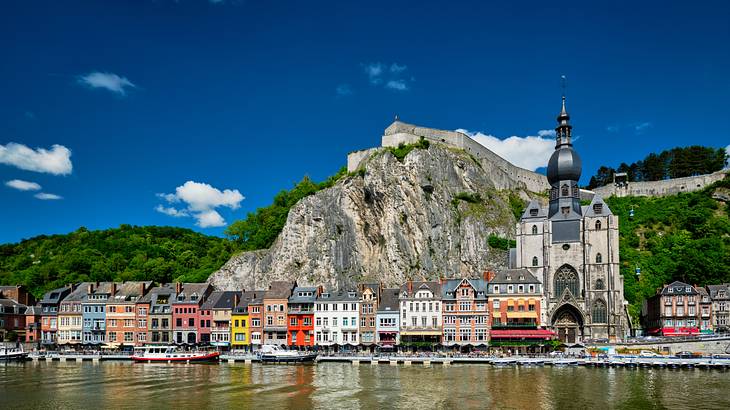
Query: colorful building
x=387, y=325
x=672, y=311
x=300, y=329
x=186, y=312
x=336, y=318
x=705, y=311
x=240, y=322
x=421, y=319
x=369, y=295
x=276, y=300
x=70, y=316
x=221, y=305
x=49, y=314
x=720, y=297
x=159, y=315
x=121, y=316
x=94, y=312
x=14, y=301
x=33, y=324
x=256, y=319
x=465, y=312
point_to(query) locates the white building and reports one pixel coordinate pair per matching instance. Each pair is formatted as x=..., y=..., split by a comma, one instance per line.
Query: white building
x=573, y=251
x=420, y=306
x=387, y=320
x=336, y=318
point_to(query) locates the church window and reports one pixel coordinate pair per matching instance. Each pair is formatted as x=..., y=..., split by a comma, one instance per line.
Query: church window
x=599, y=284
x=598, y=313
x=534, y=261
x=566, y=278
x=533, y=212
x=534, y=229
x=599, y=258
x=576, y=191
x=598, y=225
x=598, y=208
x=564, y=190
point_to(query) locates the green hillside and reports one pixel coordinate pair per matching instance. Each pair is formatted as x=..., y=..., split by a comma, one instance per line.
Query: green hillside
x=161, y=254
x=680, y=237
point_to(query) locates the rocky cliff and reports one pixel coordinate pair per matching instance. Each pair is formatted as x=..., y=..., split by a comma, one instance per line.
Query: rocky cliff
x=428, y=215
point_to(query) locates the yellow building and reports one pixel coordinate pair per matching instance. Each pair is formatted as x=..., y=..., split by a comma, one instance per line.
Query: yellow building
x=240, y=326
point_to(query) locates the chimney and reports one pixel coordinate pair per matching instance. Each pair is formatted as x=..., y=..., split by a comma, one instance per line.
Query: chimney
x=410, y=286
x=114, y=288
x=235, y=299
x=489, y=275
x=178, y=287
x=90, y=288
x=141, y=288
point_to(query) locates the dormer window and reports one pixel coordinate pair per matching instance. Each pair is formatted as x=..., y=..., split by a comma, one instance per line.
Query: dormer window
x=598, y=209
x=564, y=190
x=509, y=277
x=533, y=212
x=670, y=290
x=181, y=297
x=522, y=277
x=194, y=297
x=688, y=289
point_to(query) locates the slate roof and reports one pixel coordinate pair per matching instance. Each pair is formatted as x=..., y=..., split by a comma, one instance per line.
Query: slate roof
x=518, y=276
x=679, y=288
x=221, y=299
x=129, y=292
x=33, y=310
x=339, y=296
x=389, y=301
x=597, y=200
x=541, y=212
x=713, y=289
x=152, y=295
x=412, y=287
x=449, y=286
x=190, y=289
x=280, y=289
x=55, y=296
x=296, y=298
x=246, y=298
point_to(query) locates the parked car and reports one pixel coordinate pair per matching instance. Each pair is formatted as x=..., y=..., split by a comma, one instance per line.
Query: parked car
x=648, y=353
x=688, y=355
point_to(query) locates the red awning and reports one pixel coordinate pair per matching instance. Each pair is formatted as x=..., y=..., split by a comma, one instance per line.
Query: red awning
x=522, y=334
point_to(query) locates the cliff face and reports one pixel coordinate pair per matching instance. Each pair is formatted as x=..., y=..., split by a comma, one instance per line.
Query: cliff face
x=399, y=220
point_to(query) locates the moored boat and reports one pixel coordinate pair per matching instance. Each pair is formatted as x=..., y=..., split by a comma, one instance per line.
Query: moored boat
x=12, y=353
x=171, y=354
x=275, y=354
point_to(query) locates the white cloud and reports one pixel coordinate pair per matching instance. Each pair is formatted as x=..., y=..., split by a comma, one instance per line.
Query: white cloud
x=613, y=128
x=343, y=90
x=55, y=161
x=177, y=213
x=546, y=133
x=46, y=196
x=395, y=68
x=108, y=81
x=374, y=71
x=640, y=128
x=530, y=152
x=21, y=185
x=398, y=85
x=201, y=200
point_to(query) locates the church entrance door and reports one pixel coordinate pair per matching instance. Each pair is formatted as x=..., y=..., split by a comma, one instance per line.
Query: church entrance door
x=568, y=324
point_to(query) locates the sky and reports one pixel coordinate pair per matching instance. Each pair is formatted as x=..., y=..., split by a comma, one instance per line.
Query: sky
x=193, y=113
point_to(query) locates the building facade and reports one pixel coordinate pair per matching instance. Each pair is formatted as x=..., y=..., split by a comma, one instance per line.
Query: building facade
x=420, y=307
x=240, y=322
x=720, y=297
x=465, y=312
x=49, y=314
x=573, y=251
x=158, y=301
x=369, y=296
x=673, y=311
x=336, y=318
x=94, y=312
x=121, y=315
x=387, y=319
x=70, y=316
x=221, y=307
x=276, y=300
x=300, y=330
x=186, y=311
x=256, y=319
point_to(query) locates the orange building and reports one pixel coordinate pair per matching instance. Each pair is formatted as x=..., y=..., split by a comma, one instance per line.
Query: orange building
x=300, y=328
x=276, y=300
x=121, y=318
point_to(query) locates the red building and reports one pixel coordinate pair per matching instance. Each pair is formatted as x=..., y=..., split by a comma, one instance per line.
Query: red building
x=186, y=315
x=300, y=317
x=14, y=301
x=673, y=311
x=33, y=324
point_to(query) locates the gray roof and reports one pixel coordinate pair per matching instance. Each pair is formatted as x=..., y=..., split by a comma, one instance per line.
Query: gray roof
x=514, y=276
x=33, y=310
x=679, y=288
x=280, y=289
x=339, y=296
x=412, y=287
x=389, y=301
x=152, y=295
x=597, y=200
x=130, y=291
x=374, y=287
x=246, y=298
x=713, y=289
x=534, y=205
x=222, y=299
x=55, y=296
x=564, y=165
x=449, y=286
x=79, y=293
x=297, y=297
x=190, y=289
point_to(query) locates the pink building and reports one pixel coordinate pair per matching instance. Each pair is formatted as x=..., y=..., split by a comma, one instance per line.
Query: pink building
x=186, y=313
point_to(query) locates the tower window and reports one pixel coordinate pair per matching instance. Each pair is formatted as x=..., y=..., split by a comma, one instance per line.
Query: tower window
x=599, y=258
x=599, y=284
x=566, y=278
x=564, y=190
x=533, y=212
x=565, y=210
x=534, y=229
x=534, y=261
x=598, y=313
x=598, y=225
x=598, y=208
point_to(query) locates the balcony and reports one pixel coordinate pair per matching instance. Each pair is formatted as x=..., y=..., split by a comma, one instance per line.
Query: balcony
x=297, y=311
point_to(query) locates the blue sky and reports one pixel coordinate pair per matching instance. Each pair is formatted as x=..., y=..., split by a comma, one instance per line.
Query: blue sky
x=220, y=105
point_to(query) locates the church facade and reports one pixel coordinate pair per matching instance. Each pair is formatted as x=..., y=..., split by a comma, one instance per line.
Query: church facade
x=574, y=251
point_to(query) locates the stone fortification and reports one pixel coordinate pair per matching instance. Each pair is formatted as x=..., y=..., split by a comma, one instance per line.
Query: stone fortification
x=660, y=188
x=504, y=174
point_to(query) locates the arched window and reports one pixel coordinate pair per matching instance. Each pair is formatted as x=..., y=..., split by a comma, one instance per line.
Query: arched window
x=598, y=225
x=598, y=313
x=599, y=284
x=534, y=229
x=564, y=190
x=534, y=261
x=599, y=258
x=566, y=278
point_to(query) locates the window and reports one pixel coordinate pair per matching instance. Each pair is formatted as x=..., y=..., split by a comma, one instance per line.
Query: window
x=534, y=261
x=293, y=321
x=598, y=225
x=598, y=208
x=599, y=284
x=599, y=258
x=566, y=278
x=598, y=312
x=495, y=304
x=534, y=229
x=269, y=320
x=533, y=212
x=191, y=322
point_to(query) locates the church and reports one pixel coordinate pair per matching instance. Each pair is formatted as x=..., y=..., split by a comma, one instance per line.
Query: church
x=573, y=250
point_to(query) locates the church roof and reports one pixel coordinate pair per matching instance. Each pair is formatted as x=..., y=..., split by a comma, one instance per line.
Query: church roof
x=534, y=210
x=597, y=207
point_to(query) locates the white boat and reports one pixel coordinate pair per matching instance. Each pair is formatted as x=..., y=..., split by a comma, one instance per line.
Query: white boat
x=12, y=353
x=171, y=354
x=275, y=354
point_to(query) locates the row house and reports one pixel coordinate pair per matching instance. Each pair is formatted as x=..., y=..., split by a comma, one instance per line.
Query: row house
x=186, y=313
x=94, y=312
x=369, y=296
x=704, y=310
x=516, y=304
x=70, y=316
x=275, y=301
x=673, y=311
x=240, y=321
x=336, y=318
x=420, y=306
x=49, y=314
x=33, y=320
x=387, y=318
x=720, y=297
x=300, y=329
x=220, y=304
x=14, y=302
x=157, y=305
x=465, y=313
x=122, y=326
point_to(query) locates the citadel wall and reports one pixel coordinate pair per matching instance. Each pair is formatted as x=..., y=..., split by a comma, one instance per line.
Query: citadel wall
x=660, y=188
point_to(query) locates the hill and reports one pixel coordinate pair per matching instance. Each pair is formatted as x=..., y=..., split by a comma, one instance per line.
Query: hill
x=161, y=254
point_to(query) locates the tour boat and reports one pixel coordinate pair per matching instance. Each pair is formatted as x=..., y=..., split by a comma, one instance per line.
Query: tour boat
x=171, y=354
x=275, y=354
x=12, y=353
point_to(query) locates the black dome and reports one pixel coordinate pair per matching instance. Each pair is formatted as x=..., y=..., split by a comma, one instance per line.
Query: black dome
x=564, y=164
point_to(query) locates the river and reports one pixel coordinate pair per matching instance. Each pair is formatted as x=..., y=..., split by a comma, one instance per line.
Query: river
x=121, y=385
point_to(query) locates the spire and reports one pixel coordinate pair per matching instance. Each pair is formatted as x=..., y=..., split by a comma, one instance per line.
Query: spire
x=563, y=130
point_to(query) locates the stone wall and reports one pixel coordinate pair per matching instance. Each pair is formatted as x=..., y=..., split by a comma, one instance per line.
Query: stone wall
x=720, y=345
x=505, y=174
x=661, y=188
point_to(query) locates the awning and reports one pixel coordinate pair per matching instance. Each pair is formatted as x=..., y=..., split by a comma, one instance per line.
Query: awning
x=527, y=314
x=421, y=333
x=523, y=334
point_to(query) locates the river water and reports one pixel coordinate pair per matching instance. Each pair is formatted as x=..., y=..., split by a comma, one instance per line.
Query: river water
x=117, y=385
